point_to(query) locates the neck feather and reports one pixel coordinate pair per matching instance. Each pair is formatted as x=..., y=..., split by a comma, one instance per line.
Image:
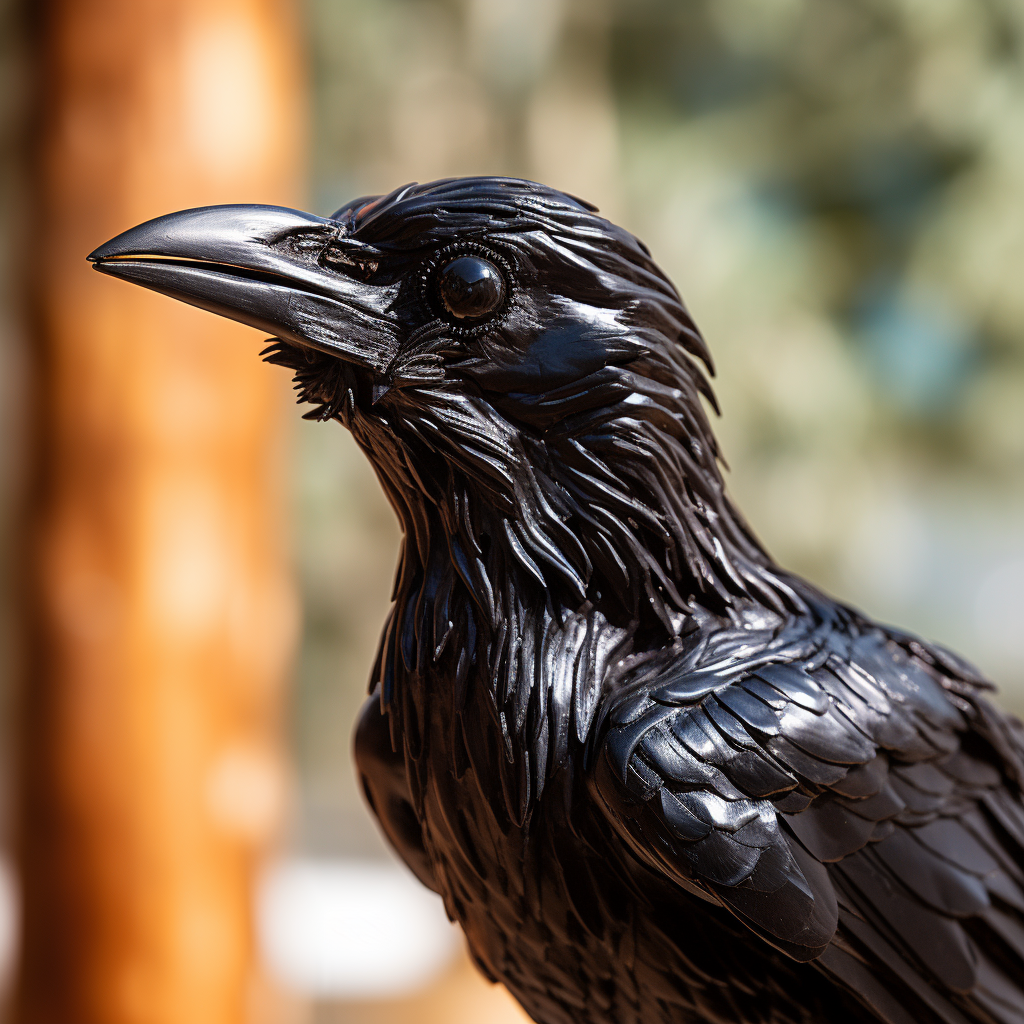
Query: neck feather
x=538, y=565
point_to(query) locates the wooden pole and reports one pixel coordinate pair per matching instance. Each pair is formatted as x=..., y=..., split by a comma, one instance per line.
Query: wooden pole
x=163, y=613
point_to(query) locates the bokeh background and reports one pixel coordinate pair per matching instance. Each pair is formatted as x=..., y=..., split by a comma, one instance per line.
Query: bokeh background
x=837, y=188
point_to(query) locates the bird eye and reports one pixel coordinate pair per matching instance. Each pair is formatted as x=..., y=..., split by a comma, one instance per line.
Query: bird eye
x=471, y=288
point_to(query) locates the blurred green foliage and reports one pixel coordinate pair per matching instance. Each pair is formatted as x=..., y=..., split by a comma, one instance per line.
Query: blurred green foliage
x=887, y=137
x=836, y=186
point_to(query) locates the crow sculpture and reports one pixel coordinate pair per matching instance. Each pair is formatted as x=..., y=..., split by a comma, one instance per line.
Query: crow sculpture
x=654, y=776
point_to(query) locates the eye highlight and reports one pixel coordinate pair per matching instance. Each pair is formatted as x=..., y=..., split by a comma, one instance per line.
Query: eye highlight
x=471, y=288
x=469, y=285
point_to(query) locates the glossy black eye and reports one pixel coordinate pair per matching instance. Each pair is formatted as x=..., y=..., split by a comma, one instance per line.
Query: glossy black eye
x=471, y=288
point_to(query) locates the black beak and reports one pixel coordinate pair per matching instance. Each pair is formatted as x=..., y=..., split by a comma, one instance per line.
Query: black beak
x=263, y=266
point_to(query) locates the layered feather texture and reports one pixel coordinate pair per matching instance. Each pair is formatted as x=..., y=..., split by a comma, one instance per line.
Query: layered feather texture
x=655, y=777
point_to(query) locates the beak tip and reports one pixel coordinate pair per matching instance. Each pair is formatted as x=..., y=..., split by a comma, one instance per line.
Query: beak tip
x=101, y=253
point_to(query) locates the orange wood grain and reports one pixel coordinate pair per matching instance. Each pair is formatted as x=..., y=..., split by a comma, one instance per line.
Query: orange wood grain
x=163, y=612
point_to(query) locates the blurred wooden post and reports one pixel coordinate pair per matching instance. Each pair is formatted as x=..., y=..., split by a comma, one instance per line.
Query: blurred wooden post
x=163, y=611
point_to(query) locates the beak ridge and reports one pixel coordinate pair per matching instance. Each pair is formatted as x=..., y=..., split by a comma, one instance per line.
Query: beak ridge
x=213, y=233
x=258, y=265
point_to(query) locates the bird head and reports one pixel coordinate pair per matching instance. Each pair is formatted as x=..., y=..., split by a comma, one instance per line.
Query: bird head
x=524, y=379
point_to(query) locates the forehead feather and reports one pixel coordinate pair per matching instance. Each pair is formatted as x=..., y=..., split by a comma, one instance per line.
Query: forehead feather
x=554, y=228
x=441, y=210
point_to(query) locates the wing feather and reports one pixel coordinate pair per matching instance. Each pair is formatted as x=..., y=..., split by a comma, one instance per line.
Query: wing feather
x=852, y=800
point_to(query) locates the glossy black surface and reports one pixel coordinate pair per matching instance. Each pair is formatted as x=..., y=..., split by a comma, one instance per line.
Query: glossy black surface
x=655, y=777
x=471, y=288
